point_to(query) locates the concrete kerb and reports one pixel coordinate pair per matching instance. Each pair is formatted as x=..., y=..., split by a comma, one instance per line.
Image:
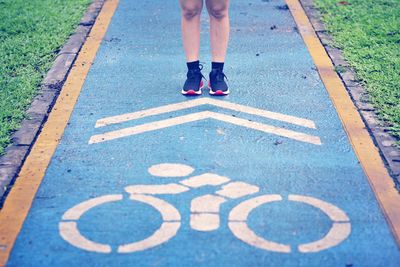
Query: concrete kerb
x=380, y=135
x=36, y=115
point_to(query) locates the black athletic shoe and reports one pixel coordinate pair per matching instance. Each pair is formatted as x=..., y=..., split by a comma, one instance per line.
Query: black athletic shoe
x=194, y=82
x=217, y=84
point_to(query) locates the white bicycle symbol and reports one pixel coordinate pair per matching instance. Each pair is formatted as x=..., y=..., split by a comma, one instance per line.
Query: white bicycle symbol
x=204, y=213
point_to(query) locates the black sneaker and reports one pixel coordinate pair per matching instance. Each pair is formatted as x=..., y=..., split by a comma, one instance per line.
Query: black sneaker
x=217, y=84
x=194, y=82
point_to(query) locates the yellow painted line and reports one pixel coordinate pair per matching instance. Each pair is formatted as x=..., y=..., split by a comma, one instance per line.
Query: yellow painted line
x=19, y=201
x=367, y=153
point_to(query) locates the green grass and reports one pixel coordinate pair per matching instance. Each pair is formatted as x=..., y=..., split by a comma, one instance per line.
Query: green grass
x=31, y=32
x=368, y=33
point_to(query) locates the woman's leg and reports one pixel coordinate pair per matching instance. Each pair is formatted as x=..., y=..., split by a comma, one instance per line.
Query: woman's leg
x=219, y=33
x=219, y=28
x=191, y=11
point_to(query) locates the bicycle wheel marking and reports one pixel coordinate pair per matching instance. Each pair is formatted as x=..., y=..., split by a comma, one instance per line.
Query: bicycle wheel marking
x=337, y=234
x=69, y=230
x=162, y=235
x=244, y=233
x=168, y=229
x=238, y=224
x=76, y=211
x=167, y=211
x=339, y=231
x=205, y=213
x=242, y=211
x=333, y=212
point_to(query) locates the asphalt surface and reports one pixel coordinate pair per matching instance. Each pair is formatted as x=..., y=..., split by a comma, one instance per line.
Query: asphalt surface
x=171, y=186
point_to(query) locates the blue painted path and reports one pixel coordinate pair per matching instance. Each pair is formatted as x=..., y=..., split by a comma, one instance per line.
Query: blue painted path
x=140, y=66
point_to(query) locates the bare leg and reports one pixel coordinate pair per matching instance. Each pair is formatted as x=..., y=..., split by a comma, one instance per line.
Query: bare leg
x=219, y=28
x=191, y=11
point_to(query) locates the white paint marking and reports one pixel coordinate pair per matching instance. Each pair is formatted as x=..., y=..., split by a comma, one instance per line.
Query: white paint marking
x=334, y=213
x=265, y=113
x=201, y=116
x=337, y=234
x=156, y=189
x=76, y=212
x=70, y=233
x=147, y=127
x=167, y=211
x=244, y=233
x=207, y=204
x=237, y=190
x=268, y=128
x=162, y=235
x=340, y=230
x=149, y=112
x=171, y=216
x=204, y=222
x=170, y=170
x=241, y=211
x=205, y=212
x=204, y=101
x=205, y=179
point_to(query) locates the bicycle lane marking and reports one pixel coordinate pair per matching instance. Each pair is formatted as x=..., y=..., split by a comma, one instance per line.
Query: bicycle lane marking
x=168, y=229
x=205, y=213
x=368, y=154
x=203, y=116
x=18, y=202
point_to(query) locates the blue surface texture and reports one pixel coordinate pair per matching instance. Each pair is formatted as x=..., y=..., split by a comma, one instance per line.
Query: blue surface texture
x=141, y=65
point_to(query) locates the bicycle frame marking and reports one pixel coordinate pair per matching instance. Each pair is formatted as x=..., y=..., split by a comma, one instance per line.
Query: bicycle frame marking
x=204, y=215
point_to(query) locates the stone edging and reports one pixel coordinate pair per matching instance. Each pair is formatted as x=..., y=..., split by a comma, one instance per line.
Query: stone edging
x=23, y=139
x=382, y=139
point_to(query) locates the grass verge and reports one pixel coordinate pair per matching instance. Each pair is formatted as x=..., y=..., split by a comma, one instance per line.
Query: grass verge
x=31, y=33
x=368, y=33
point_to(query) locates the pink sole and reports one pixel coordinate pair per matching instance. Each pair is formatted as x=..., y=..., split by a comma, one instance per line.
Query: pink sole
x=193, y=92
x=217, y=93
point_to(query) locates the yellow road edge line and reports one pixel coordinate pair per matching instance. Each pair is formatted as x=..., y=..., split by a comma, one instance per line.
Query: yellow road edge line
x=19, y=201
x=366, y=151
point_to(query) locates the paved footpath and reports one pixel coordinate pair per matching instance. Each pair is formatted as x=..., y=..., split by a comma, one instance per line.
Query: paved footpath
x=146, y=177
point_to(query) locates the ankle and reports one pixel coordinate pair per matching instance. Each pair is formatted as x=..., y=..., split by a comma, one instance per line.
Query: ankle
x=217, y=65
x=193, y=65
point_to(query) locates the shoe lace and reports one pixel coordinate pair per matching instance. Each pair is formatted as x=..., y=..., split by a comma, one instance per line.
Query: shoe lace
x=220, y=76
x=192, y=74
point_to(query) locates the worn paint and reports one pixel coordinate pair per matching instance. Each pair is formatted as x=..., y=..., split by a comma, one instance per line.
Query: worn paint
x=19, y=201
x=306, y=188
x=359, y=137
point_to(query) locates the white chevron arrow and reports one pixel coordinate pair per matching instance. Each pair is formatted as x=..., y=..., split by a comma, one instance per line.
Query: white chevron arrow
x=152, y=126
x=205, y=101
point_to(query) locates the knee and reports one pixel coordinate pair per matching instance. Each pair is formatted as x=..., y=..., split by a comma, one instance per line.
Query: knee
x=218, y=11
x=191, y=11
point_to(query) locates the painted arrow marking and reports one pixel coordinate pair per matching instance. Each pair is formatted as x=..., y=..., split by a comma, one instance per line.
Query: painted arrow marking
x=201, y=116
x=204, y=101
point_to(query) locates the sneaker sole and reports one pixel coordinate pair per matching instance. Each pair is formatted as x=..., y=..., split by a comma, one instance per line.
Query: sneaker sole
x=218, y=92
x=193, y=92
